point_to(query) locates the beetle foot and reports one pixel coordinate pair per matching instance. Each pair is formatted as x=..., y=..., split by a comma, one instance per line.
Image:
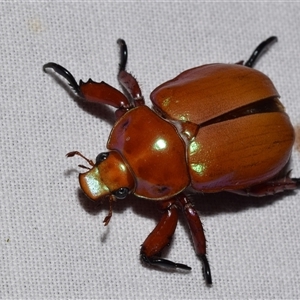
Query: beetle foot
x=164, y=263
x=297, y=181
x=205, y=269
x=64, y=73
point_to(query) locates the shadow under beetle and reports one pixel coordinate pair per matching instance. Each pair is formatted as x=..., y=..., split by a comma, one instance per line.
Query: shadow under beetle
x=217, y=127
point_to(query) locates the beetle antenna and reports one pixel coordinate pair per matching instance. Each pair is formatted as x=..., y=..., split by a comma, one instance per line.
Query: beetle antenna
x=109, y=215
x=84, y=167
x=260, y=49
x=64, y=73
x=123, y=54
x=73, y=153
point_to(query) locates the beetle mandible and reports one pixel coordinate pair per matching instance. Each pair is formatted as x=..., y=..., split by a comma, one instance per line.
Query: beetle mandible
x=217, y=127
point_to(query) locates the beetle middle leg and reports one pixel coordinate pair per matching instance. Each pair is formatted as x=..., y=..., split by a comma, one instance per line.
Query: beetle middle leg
x=128, y=82
x=160, y=237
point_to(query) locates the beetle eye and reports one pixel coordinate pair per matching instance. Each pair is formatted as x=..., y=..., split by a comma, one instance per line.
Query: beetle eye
x=101, y=157
x=121, y=193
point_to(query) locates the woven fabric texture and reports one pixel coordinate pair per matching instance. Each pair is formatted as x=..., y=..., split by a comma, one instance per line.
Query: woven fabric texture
x=52, y=241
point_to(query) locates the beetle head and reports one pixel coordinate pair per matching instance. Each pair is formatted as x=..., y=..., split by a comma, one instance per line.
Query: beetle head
x=108, y=178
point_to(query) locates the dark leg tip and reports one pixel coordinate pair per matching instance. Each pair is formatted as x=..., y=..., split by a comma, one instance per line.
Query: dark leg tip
x=123, y=54
x=64, y=73
x=297, y=181
x=206, y=269
x=259, y=50
x=163, y=263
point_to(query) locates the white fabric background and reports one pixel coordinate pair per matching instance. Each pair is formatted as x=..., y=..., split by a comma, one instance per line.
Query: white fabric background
x=52, y=242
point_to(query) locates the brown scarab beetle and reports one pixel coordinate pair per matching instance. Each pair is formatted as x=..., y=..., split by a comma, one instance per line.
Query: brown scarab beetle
x=217, y=127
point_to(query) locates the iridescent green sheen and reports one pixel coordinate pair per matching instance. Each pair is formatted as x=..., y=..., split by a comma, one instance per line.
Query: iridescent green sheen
x=194, y=147
x=166, y=102
x=91, y=179
x=199, y=168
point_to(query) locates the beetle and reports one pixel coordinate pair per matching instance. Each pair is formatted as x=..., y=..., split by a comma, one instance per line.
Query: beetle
x=217, y=127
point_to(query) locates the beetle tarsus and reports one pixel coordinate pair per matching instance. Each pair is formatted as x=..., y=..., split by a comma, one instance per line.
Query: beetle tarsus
x=297, y=181
x=259, y=50
x=164, y=263
x=123, y=54
x=64, y=73
x=206, y=269
x=197, y=233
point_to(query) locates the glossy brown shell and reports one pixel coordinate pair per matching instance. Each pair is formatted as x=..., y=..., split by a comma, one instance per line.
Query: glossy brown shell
x=153, y=151
x=238, y=153
x=203, y=93
x=230, y=154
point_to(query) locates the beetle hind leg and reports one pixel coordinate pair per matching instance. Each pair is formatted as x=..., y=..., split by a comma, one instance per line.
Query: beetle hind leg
x=271, y=187
x=160, y=237
x=259, y=50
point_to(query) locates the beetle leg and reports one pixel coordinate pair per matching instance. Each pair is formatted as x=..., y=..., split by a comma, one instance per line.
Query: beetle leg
x=128, y=82
x=161, y=237
x=101, y=92
x=271, y=187
x=98, y=92
x=197, y=233
x=259, y=50
x=64, y=73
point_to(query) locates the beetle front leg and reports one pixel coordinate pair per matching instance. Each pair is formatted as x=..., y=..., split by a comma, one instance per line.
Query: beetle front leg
x=97, y=92
x=161, y=237
x=197, y=233
x=127, y=81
